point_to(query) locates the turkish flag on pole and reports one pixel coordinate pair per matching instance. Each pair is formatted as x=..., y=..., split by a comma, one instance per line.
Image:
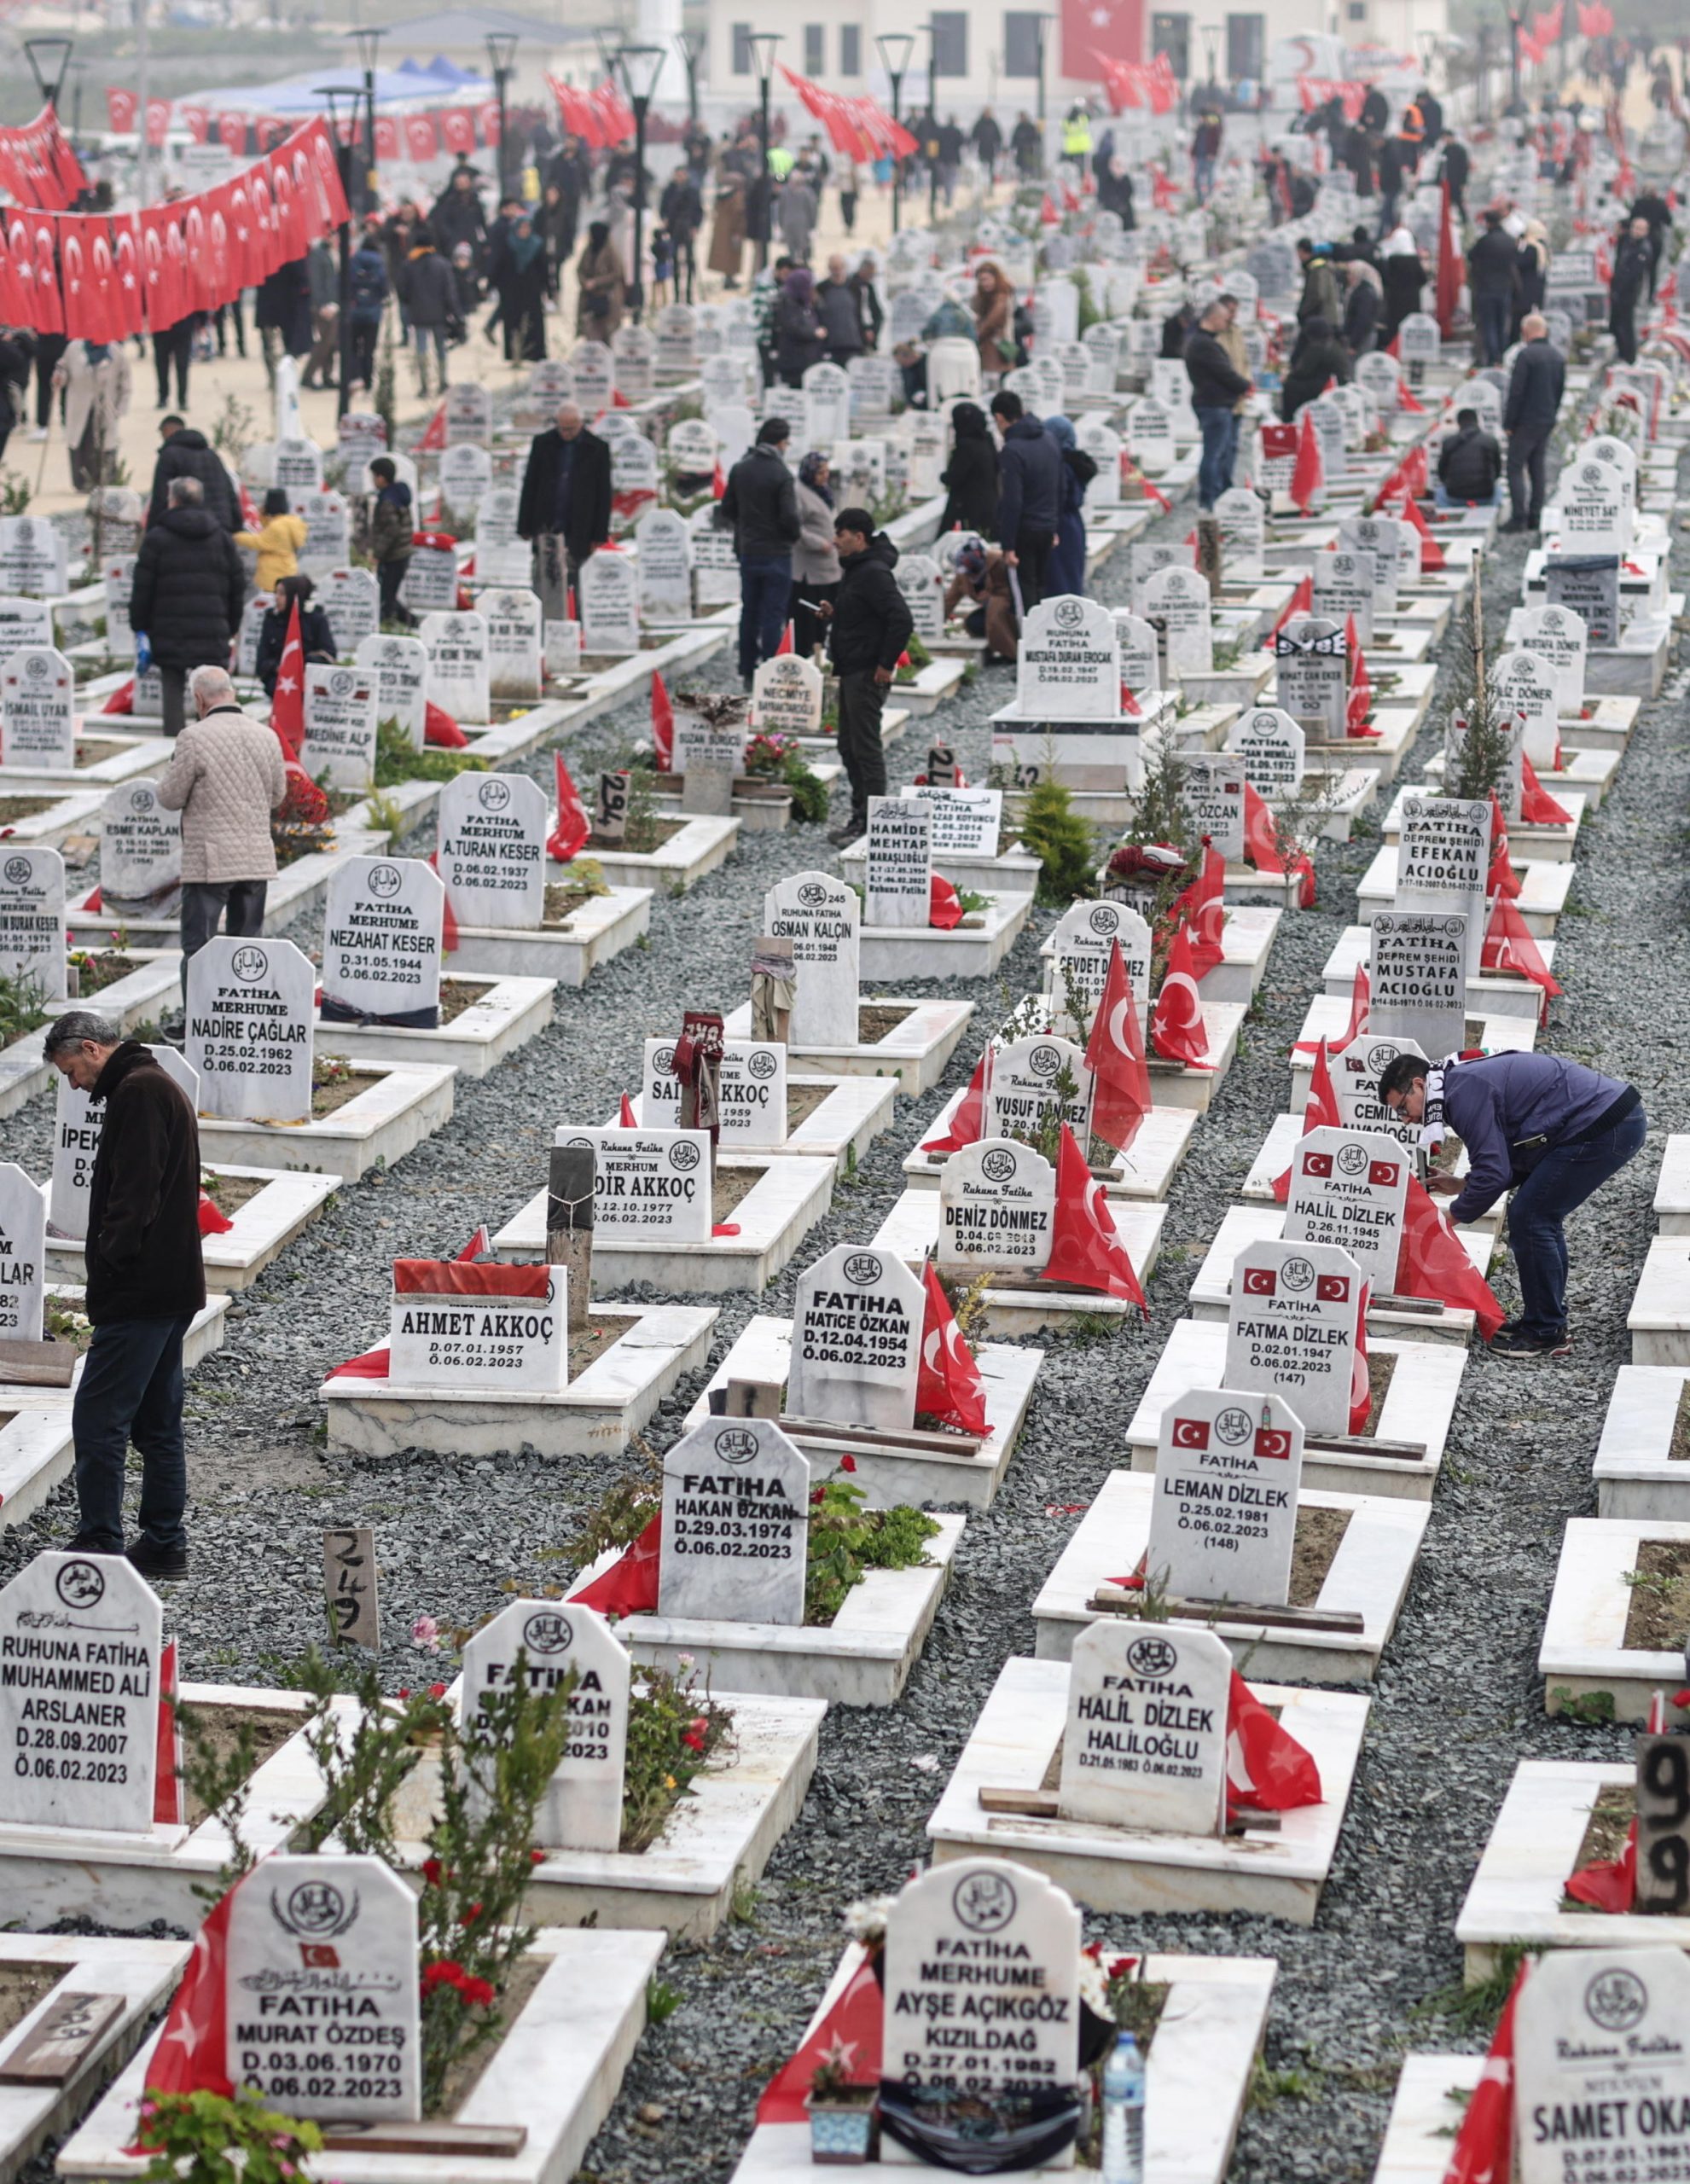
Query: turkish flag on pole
x=1319, y=1112
x=287, y=703
x=663, y=726
x=1308, y=472
x=968, y=1121
x=121, y=111
x=1176, y=1029
x=1431, y=554
x=1449, y=264
x=1432, y=1261
x=421, y=142
x=948, y=1385
x=232, y=133
x=1204, y=907
x=1483, y=2152
x=1085, y=1248
x=192, y=2054
x=569, y=836
x=158, y=121
x=1360, y=700
x=1509, y=946
x=435, y=435
x=1120, y=1097
x=1361, y=1380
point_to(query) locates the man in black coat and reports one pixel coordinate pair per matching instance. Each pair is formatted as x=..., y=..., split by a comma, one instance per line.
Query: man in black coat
x=759, y=506
x=1030, y=496
x=682, y=214
x=1535, y=390
x=1470, y=462
x=146, y=1280
x=564, y=510
x=1493, y=277
x=188, y=454
x=1653, y=207
x=870, y=625
x=189, y=591
x=457, y=216
x=1625, y=289
x=1215, y=386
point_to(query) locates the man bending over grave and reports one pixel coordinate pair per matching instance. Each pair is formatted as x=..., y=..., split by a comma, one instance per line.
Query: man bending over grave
x=146, y=1280
x=871, y=625
x=1548, y=1129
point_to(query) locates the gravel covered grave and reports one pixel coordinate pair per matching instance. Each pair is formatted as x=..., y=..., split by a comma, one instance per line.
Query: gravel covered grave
x=1457, y=1701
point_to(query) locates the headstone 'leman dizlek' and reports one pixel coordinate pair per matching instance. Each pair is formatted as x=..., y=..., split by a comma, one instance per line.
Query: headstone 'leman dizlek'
x=1224, y=1521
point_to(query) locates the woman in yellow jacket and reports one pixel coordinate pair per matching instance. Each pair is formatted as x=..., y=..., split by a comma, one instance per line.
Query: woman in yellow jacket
x=278, y=541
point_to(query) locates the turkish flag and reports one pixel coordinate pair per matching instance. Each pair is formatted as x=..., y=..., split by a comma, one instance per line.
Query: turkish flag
x=457, y=129
x=1538, y=807
x=1501, y=878
x=1383, y=1174
x=263, y=256
x=232, y=133
x=1097, y=31
x=158, y=121
x=949, y=1387
x=197, y=255
x=1204, y=906
x=421, y=143
x=1084, y=1246
x=968, y=1120
x=663, y=726
x=287, y=702
x=1260, y=1281
x=1308, y=472
x=49, y=316
x=386, y=137
x=197, y=121
x=288, y=214
x=461, y=1277
x=1361, y=1380
x=1509, y=946
x=1483, y=2152
x=1176, y=1028
x=107, y=306
x=630, y=1586
x=15, y=291
x=1320, y=1111
x=192, y=2051
x=212, y=1222
x=1115, y=1056
x=130, y=282
x=434, y=433
x=221, y=278
x=73, y=281
x=1432, y=1261
x=1190, y=1433
x=1332, y=1288
x=569, y=836
x=853, y=2027
x=1273, y=1444
x=1267, y=1770
x=1317, y=1163
x=120, y=110
x=488, y=117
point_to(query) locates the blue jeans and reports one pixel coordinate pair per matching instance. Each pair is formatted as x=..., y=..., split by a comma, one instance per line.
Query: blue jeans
x=1561, y=1182
x=130, y=1389
x=1490, y=316
x=1220, y=441
x=1202, y=177
x=765, y=592
x=424, y=336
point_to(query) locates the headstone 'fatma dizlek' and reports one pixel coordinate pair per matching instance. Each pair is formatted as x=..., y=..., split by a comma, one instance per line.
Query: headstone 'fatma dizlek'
x=547, y=1641
x=735, y=1524
x=1145, y=1741
x=1223, y=1520
x=1291, y=1329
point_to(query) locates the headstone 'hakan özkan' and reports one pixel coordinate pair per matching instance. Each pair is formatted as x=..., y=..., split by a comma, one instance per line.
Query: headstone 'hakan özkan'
x=735, y=1524
x=1291, y=1329
x=545, y=1642
x=1144, y=1744
x=856, y=1339
x=250, y=1014
x=1223, y=1519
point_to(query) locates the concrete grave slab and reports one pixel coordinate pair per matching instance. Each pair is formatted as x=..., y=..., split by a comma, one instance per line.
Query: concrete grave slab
x=505, y=1014
x=1013, y=1307
x=916, y=1041
x=1249, y=1224
x=1583, y=1651
x=401, y=1106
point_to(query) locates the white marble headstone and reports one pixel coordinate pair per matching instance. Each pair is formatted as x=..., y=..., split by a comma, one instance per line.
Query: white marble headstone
x=1602, y=2066
x=547, y=1641
x=1349, y=1187
x=1024, y=1084
x=735, y=1524
x=514, y=662
x=785, y=696
x=819, y=914
x=38, y=710
x=666, y=566
x=1443, y=858
x=1078, y=964
x=23, y=1256
x=1223, y=1518
x=1144, y=1743
x=1177, y=602
x=400, y=667
x=1291, y=1328
x=856, y=1339
x=997, y=1206
x=351, y=599
x=492, y=853
x=1068, y=665
x=340, y=721
x=607, y=595
x=467, y=1327
x=1269, y=744
x=753, y=1092
x=652, y=1185
x=457, y=679
x=900, y=863
x=32, y=917
x=381, y=939
x=1417, y=965
x=140, y=850
x=250, y=1016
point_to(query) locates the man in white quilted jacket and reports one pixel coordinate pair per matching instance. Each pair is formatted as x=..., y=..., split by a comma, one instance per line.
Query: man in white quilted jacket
x=225, y=777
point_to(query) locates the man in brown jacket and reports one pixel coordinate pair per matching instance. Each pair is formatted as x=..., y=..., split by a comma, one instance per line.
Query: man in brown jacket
x=225, y=777
x=146, y=1280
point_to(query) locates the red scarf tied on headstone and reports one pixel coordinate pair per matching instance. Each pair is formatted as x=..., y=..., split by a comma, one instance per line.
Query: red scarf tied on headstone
x=570, y=835
x=1433, y=1261
x=372, y=1364
x=1509, y=946
x=1084, y=1248
x=1176, y=1027
x=1114, y=1054
x=949, y=1387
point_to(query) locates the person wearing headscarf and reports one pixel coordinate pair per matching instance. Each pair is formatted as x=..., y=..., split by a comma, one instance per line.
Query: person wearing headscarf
x=1402, y=277
x=520, y=276
x=994, y=319
x=800, y=339
x=1067, y=570
x=979, y=591
x=1363, y=301
x=815, y=558
x=602, y=282
x=970, y=478
x=1534, y=271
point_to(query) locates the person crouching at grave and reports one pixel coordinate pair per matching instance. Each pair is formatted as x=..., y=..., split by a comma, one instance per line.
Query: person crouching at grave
x=1547, y=1129
x=225, y=777
x=276, y=542
x=564, y=511
x=759, y=506
x=146, y=1280
x=392, y=523
x=870, y=625
x=189, y=592
x=315, y=633
x=979, y=592
x=1469, y=464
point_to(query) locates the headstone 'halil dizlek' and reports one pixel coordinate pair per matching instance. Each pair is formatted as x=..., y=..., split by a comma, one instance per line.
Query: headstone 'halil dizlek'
x=546, y=1642
x=400, y=667
x=1026, y=1083
x=23, y=1256
x=1068, y=665
x=856, y=1339
x=322, y=1950
x=79, y=1630
x=514, y=648
x=785, y=696
x=340, y=716
x=38, y=710
x=818, y=914
x=952, y=1935
x=1145, y=1740
x=1291, y=1329
x=32, y=917
x=456, y=646
x=1080, y=947
x=735, y=1524
x=1602, y=2067
x=455, y=1325
x=77, y=1124
x=751, y=1092
x=381, y=942
x=652, y=1185
x=1223, y=1519
x=1442, y=857
x=492, y=855
x=1349, y=1187
x=1418, y=968
x=900, y=863
x=140, y=850
x=250, y=1014
x=997, y=1204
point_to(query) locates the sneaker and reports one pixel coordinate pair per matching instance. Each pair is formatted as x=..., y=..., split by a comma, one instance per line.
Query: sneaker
x=151, y=1561
x=39, y=433
x=1516, y=1341
x=83, y=1545
x=852, y=830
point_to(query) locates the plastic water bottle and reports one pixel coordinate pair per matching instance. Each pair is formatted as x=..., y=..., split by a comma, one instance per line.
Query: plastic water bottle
x=1123, y=2114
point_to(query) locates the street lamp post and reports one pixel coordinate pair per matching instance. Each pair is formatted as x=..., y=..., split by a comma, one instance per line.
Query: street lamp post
x=763, y=44
x=329, y=93
x=642, y=65
x=1041, y=27
x=500, y=52
x=932, y=29
x=49, y=58
x=368, y=40
x=690, y=46
x=895, y=50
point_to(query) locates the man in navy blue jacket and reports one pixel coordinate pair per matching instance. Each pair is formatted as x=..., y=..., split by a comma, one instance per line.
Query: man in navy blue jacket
x=1550, y=1131
x=1030, y=494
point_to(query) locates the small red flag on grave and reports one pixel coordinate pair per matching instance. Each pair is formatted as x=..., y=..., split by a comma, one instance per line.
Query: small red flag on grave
x=949, y=1387
x=629, y=1587
x=122, y=699
x=968, y=1120
x=1360, y=701
x=1176, y=1029
x=852, y=2028
x=1361, y=1380
x=1509, y=946
x=449, y=924
x=1120, y=1098
x=1267, y=1770
x=626, y=1118
x=1431, y=554
x=663, y=726
x=167, y=1773
x=1203, y=905
x=1320, y=1111
x=718, y=484
x=213, y=1222
x=250, y=518
x=92, y=899
x=287, y=701
x=1301, y=601
x=1538, y=807
x=569, y=837
x=944, y=907
x=435, y=437
x=1432, y=1261
x=1608, y=1884
x=1501, y=878
x=192, y=2054
x=1483, y=2152
x=786, y=643
x=440, y=730
x=1085, y=1248
x=1308, y=472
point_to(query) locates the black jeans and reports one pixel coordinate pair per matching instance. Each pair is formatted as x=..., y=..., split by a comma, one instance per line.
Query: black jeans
x=48, y=348
x=363, y=353
x=1527, y=447
x=239, y=903
x=861, y=700
x=175, y=345
x=1622, y=325
x=1032, y=556
x=1559, y=1184
x=130, y=1389
x=1491, y=317
x=173, y=682
x=389, y=576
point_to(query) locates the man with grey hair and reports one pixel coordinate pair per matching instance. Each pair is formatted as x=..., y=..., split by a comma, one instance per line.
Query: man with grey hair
x=226, y=775
x=565, y=507
x=145, y=1280
x=188, y=591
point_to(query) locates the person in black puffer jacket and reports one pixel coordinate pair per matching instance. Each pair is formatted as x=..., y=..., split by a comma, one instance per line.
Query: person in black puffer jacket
x=1030, y=496
x=970, y=478
x=1470, y=462
x=759, y=506
x=189, y=591
x=188, y=454
x=317, y=634
x=1318, y=356
x=870, y=625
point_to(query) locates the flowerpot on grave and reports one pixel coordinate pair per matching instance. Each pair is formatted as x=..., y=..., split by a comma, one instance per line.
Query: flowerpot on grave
x=843, y=2127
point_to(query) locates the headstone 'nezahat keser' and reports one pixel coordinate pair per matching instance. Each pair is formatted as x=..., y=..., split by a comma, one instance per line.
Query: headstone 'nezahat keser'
x=1144, y=1744
x=899, y=871
x=1223, y=1518
x=819, y=914
x=1418, y=969
x=381, y=940
x=250, y=1015
x=1291, y=1329
x=1602, y=2067
x=1349, y=1187
x=856, y=1341
x=735, y=1524
x=545, y=1642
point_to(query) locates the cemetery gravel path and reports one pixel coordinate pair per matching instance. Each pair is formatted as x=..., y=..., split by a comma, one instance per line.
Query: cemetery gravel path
x=1457, y=1701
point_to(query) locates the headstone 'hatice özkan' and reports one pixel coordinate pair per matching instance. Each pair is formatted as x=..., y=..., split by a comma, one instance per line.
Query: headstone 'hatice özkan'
x=545, y=1642
x=250, y=1014
x=492, y=855
x=900, y=863
x=32, y=917
x=140, y=850
x=340, y=715
x=1349, y=1187
x=1291, y=1328
x=1442, y=857
x=856, y=1341
x=1145, y=1741
x=381, y=935
x=735, y=1524
x=997, y=1206
x=400, y=667
x=23, y=1256
x=819, y=914
x=1223, y=1519
x=751, y=1092
x=1418, y=969
x=80, y=1635
x=38, y=710
x=456, y=646
x=1069, y=666
x=961, y=1939
x=323, y=1949
x=652, y=1185
x=462, y=1326
x=1602, y=2067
